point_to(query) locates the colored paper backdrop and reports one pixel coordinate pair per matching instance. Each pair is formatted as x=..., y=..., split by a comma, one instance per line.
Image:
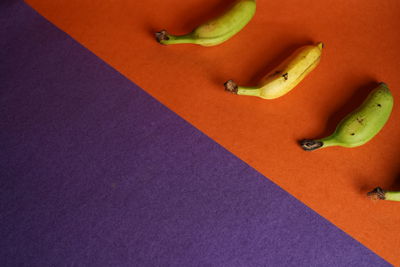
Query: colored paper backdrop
x=360, y=51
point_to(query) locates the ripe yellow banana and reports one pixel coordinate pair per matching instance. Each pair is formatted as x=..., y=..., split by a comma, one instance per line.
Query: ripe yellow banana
x=217, y=30
x=284, y=77
x=361, y=125
x=380, y=194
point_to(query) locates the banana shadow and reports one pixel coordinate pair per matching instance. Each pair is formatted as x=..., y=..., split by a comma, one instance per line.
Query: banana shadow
x=263, y=66
x=191, y=21
x=395, y=185
x=352, y=103
x=363, y=185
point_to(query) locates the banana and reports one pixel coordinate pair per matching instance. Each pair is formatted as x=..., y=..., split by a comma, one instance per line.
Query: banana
x=284, y=77
x=380, y=194
x=215, y=31
x=361, y=125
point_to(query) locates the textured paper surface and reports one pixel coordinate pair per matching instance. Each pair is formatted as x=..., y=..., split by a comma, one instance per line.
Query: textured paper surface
x=95, y=172
x=360, y=50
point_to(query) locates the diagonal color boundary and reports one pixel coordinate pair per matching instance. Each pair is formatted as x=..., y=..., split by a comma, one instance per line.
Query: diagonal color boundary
x=95, y=172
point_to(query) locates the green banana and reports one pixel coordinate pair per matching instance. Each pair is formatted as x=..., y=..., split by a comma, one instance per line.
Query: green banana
x=380, y=194
x=361, y=125
x=215, y=31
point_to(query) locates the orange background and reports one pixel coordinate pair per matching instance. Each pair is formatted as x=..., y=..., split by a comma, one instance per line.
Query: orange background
x=361, y=48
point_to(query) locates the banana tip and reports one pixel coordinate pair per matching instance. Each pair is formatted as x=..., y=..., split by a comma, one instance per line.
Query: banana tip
x=377, y=194
x=161, y=36
x=231, y=86
x=310, y=145
x=383, y=84
x=321, y=45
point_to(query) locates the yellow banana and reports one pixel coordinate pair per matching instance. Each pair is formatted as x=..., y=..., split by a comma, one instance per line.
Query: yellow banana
x=361, y=125
x=284, y=77
x=216, y=31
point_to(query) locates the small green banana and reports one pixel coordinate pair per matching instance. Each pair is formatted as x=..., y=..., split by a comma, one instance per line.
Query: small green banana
x=215, y=31
x=361, y=125
x=380, y=194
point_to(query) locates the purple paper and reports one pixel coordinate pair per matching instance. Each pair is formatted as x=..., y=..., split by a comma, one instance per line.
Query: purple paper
x=95, y=172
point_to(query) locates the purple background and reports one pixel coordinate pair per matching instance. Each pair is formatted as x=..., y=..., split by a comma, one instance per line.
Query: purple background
x=95, y=172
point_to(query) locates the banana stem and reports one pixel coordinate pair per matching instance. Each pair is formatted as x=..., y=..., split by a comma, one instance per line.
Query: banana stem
x=232, y=87
x=163, y=37
x=380, y=194
x=246, y=90
x=392, y=195
x=311, y=144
